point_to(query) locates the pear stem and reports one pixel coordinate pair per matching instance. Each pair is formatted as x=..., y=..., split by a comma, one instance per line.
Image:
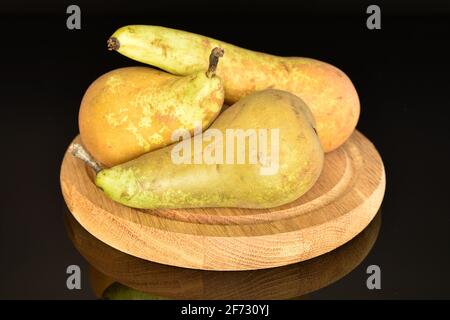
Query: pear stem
x=216, y=53
x=113, y=44
x=79, y=152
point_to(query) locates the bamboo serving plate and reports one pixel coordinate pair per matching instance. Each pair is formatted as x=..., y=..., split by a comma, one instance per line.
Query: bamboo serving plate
x=341, y=204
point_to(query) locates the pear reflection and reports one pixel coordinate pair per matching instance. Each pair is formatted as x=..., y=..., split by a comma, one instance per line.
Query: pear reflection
x=116, y=275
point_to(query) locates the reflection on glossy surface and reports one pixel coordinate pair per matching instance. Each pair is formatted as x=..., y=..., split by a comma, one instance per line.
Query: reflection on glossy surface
x=154, y=280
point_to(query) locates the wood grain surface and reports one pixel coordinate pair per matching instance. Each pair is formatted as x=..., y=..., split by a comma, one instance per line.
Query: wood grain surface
x=344, y=200
x=108, y=265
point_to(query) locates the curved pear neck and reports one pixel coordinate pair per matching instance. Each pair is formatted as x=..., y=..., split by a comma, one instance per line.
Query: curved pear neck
x=191, y=78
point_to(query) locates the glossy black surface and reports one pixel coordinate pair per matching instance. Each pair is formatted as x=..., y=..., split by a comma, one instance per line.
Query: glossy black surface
x=401, y=73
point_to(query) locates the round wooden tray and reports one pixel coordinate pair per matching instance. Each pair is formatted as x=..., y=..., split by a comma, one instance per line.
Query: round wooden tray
x=108, y=265
x=339, y=206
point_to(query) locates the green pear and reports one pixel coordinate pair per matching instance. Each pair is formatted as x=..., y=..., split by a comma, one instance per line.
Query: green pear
x=117, y=291
x=261, y=152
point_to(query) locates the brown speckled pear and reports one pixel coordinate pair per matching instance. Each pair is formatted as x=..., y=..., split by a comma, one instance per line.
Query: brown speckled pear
x=155, y=180
x=326, y=90
x=134, y=110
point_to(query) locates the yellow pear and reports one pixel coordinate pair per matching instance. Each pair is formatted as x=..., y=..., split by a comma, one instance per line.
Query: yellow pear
x=326, y=90
x=131, y=111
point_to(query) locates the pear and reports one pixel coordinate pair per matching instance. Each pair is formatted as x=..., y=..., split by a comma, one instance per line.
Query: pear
x=130, y=111
x=327, y=91
x=261, y=152
x=118, y=291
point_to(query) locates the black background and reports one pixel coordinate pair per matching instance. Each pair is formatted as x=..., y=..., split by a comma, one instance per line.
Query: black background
x=401, y=72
